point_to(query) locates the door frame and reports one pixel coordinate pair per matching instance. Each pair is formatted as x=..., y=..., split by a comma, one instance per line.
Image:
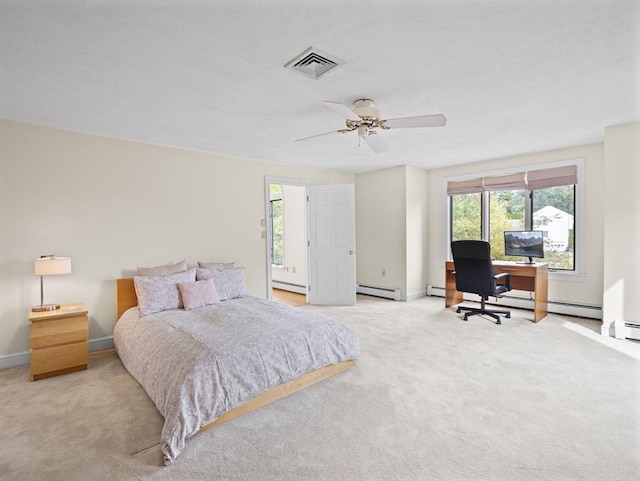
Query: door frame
x=268, y=226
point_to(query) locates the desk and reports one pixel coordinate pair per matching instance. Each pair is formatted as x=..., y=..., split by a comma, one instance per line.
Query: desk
x=524, y=277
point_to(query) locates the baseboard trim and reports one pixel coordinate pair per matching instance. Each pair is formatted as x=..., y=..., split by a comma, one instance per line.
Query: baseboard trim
x=415, y=296
x=101, y=343
x=15, y=359
x=24, y=357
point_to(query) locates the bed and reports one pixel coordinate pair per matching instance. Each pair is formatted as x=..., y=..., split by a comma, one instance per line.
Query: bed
x=206, y=366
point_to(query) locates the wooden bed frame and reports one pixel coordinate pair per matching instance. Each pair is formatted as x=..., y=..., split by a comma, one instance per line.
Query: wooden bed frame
x=126, y=298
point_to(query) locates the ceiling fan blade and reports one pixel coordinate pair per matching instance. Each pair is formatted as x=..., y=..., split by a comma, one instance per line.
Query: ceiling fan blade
x=341, y=109
x=375, y=142
x=437, y=120
x=341, y=131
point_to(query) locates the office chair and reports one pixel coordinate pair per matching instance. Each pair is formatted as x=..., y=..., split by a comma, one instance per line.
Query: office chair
x=474, y=274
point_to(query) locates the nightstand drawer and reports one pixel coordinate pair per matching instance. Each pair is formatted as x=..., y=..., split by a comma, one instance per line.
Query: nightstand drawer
x=51, y=359
x=56, y=332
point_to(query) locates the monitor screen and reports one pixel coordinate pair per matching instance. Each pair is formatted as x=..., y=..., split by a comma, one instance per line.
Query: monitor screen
x=525, y=243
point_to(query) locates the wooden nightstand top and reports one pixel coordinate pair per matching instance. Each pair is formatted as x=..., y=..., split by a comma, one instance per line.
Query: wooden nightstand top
x=64, y=311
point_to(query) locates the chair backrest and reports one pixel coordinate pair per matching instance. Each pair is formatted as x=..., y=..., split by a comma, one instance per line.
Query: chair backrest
x=474, y=268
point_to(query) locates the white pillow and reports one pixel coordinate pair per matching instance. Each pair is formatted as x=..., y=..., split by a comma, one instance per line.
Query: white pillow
x=198, y=294
x=216, y=265
x=163, y=270
x=230, y=283
x=160, y=293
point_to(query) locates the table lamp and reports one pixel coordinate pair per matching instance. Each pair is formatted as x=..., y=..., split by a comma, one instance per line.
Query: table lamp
x=50, y=266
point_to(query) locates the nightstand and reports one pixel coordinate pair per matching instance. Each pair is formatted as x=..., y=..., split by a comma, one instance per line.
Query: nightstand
x=59, y=341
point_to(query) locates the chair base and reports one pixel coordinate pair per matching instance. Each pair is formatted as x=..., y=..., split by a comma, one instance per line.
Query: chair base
x=472, y=311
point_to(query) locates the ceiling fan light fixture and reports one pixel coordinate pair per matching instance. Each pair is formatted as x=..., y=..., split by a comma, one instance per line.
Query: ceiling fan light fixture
x=364, y=118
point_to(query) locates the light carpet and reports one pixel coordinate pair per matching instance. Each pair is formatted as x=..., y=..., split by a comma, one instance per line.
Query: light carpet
x=431, y=398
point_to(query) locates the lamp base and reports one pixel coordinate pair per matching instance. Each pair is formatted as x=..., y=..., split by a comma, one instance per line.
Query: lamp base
x=45, y=307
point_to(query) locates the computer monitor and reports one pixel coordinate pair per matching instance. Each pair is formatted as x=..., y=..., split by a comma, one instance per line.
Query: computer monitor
x=525, y=243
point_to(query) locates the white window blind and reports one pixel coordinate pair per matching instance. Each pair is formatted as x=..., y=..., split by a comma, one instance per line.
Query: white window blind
x=472, y=186
x=545, y=178
x=514, y=181
x=531, y=180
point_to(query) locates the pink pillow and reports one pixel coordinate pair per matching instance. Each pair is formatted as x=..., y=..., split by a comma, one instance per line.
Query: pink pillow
x=198, y=294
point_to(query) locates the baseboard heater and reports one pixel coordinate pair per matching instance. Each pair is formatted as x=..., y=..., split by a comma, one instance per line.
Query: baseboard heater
x=288, y=286
x=566, y=308
x=377, y=291
x=632, y=330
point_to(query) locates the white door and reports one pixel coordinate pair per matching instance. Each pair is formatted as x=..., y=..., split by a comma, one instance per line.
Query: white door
x=332, y=234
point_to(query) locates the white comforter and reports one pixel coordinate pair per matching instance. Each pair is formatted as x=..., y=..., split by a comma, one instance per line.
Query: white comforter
x=195, y=365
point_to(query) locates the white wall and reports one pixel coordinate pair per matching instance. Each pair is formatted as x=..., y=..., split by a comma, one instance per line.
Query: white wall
x=112, y=205
x=294, y=270
x=621, y=202
x=586, y=290
x=381, y=231
x=391, y=223
x=417, y=228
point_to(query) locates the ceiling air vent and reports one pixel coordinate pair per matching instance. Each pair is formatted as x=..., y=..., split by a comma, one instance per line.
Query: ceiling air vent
x=313, y=62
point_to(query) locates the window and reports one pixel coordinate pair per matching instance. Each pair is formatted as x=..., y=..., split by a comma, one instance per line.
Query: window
x=506, y=212
x=466, y=216
x=554, y=214
x=542, y=200
x=277, y=234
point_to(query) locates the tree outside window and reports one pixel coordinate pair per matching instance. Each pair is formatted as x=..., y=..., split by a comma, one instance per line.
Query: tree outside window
x=506, y=212
x=277, y=232
x=466, y=217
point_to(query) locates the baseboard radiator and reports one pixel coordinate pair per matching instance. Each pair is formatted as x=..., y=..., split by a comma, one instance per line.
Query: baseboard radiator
x=288, y=286
x=377, y=291
x=566, y=308
x=632, y=330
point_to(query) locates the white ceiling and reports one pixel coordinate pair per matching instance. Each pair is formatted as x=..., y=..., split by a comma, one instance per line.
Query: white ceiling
x=512, y=77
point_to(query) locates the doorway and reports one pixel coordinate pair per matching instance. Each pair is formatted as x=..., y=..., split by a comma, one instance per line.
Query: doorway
x=286, y=232
x=310, y=232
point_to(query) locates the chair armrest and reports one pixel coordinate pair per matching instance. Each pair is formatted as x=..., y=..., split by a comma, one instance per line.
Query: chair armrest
x=507, y=279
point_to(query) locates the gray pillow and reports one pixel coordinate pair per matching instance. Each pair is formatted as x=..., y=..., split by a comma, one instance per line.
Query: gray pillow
x=160, y=293
x=216, y=265
x=230, y=283
x=163, y=270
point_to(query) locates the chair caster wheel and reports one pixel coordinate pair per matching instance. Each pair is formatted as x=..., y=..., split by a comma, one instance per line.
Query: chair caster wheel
x=509, y=316
x=498, y=321
x=458, y=311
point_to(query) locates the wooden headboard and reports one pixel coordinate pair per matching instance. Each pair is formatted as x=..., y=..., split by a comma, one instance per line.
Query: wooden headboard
x=125, y=295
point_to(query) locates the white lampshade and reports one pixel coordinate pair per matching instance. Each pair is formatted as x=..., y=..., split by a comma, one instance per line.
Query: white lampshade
x=51, y=266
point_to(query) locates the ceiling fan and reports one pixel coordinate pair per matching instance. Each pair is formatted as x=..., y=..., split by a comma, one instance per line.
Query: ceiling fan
x=365, y=119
